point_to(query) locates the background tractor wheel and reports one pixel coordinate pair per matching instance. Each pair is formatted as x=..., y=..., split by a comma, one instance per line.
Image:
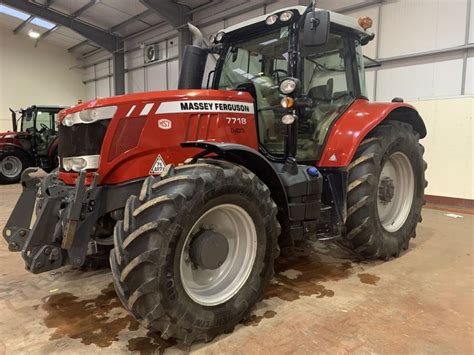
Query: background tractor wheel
x=12, y=164
x=385, y=192
x=196, y=249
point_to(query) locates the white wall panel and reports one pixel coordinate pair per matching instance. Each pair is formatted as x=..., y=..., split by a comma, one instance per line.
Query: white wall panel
x=370, y=49
x=448, y=146
x=135, y=80
x=421, y=80
x=173, y=74
x=470, y=75
x=102, y=69
x=414, y=26
x=90, y=91
x=370, y=84
x=280, y=4
x=173, y=49
x=336, y=4
x=471, y=25
x=135, y=58
x=155, y=76
x=244, y=17
x=102, y=88
x=89, y=73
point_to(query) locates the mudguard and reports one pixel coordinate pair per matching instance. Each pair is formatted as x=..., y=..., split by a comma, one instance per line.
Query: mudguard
x=249, y=158
x=362, y=117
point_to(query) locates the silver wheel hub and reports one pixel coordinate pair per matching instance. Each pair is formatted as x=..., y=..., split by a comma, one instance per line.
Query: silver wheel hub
x=395, y=192
x=10, y=166
x=218, y=254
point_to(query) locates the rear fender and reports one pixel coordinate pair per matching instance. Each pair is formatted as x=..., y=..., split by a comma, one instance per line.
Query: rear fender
x=8, y=147
x=358, y=121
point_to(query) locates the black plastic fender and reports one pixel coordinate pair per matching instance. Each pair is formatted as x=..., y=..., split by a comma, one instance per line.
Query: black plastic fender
x=252, y=160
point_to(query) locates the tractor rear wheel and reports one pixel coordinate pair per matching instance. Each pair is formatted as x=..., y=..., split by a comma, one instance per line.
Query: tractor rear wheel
x=385, y=192
x=195, y=249
x=12, y=164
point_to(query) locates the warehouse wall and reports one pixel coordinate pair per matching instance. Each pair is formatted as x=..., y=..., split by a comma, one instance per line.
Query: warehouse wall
x=427, y=55
x=30, y=75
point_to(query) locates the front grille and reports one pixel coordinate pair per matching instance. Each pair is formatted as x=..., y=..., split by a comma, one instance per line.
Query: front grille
x=82, y=139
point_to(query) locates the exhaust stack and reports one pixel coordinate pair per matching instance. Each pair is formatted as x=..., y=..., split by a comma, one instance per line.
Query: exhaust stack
x=194, y=62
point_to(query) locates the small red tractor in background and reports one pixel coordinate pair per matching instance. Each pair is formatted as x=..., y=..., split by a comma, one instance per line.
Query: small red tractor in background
x=36, y=144
x=196, y=189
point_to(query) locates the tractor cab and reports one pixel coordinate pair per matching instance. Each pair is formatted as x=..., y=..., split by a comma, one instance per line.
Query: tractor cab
x=304, y=68
x=33, y=141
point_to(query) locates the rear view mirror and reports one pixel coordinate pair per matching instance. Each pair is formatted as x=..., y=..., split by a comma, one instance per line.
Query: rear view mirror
x=316, y=28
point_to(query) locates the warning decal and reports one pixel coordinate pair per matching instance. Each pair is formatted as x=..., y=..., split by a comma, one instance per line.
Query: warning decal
x=158, y=166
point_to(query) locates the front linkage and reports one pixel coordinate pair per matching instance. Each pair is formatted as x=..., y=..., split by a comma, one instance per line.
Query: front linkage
x=66, y=217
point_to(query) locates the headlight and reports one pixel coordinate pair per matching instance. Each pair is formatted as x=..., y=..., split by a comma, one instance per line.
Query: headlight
x=220, y=36
x=288, y=86
x=90, y=116
x=212, y=38
x=68, y=120
x=288, y=119
x=67, y=164
x=271, y=19
x=78, y=164
x=286, y=16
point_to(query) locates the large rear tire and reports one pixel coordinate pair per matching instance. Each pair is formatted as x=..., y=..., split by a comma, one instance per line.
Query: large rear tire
x=385, y=192
x=163, y=271
x=12, y=164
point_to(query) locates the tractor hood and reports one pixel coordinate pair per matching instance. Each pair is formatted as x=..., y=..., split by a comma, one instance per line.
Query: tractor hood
x=151, y=100
x=8, y=135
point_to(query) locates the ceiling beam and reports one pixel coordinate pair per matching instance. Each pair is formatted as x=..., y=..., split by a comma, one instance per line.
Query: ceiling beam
x=79, y=45
x=175, y=14
x=23, y=24
x=127, y=22
x=75, y=14
x=104, y=39
x=81, y=10
x=46, y=34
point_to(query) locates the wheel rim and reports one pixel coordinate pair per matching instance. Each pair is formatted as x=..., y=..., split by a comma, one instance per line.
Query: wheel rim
x=213, y=287
x=11, y=166
x=395, y=192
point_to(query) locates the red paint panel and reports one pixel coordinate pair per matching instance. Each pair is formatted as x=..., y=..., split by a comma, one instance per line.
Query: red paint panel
x=136, y=162
x=351, y=128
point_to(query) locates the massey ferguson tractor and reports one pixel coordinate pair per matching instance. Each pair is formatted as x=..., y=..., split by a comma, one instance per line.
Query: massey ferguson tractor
x=36, y=143
x=197, y=189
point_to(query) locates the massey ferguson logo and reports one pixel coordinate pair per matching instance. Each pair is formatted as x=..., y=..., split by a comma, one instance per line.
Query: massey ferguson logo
x=164, y=123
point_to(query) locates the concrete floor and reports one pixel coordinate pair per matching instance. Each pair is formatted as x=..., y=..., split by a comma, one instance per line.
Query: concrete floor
x=320, y=302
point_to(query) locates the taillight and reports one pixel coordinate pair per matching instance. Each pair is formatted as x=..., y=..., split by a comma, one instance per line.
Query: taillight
x=126, y=135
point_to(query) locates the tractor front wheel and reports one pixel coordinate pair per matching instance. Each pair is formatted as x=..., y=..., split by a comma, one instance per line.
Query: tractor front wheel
x=196, y=249
x=385, y=192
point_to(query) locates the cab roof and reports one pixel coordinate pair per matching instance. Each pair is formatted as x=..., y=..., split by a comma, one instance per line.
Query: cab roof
x=336, y=18
x=48, y=107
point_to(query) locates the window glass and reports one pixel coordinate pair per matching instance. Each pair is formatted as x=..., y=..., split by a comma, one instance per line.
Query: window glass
x=43, y=118
x=259, y=65
x=361, y=67
x=327, y=81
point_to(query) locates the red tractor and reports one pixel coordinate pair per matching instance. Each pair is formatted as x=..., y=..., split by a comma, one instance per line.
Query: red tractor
x=283, y=145
x=36, y=143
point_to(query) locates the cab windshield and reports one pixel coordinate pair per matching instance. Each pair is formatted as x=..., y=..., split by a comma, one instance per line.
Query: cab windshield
x=258, y=65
